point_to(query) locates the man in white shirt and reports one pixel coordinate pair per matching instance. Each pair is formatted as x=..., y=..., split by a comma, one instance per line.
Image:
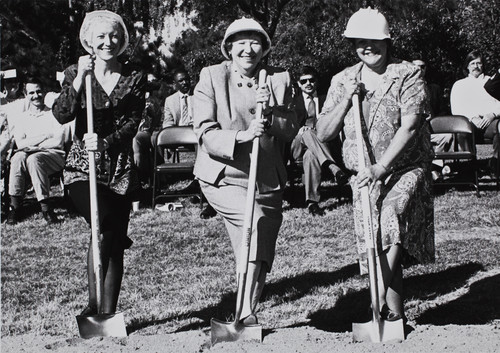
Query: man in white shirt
x=315, y=155
x=40, y=152
x=178, y=107
x=470, y=99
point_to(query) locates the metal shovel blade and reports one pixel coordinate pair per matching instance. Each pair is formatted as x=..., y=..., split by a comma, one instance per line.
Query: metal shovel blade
x=222, y=331
x=370, y=331
x=102, y=325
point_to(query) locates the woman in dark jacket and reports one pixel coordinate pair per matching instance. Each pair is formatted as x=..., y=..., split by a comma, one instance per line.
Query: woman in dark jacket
x=118, y=102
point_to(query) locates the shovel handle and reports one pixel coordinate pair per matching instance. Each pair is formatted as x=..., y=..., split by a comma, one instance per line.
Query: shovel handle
x=242, y=265
x=365, y=193
x=367, y=214
x=94, y=209
x=250, y=200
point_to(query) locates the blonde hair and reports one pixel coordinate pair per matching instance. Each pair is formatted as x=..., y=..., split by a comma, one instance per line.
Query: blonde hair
x=88, y=30
x=96, y=17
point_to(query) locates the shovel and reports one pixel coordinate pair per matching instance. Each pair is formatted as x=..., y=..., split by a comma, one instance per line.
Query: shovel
x=100, y=325
x=376, y=330
x=223, y=331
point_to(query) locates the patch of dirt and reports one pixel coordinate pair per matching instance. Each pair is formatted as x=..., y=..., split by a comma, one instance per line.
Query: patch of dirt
x=421, y=338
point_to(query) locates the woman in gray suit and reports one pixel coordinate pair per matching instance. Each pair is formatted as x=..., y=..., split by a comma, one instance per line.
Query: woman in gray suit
x=224, y=104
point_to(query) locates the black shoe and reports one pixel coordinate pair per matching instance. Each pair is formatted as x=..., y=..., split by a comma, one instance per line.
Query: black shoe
x=250, y=320
x=208, y=212
x=50, y=217
x=315, y=210
x=389, y=315
x=13, y=217
x=341, y=178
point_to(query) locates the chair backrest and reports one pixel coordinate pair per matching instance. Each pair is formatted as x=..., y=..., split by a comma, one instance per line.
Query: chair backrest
x=176, y=136
x=451, y=124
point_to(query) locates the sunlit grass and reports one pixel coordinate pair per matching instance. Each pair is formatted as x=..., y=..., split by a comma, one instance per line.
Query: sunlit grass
x=180, y=270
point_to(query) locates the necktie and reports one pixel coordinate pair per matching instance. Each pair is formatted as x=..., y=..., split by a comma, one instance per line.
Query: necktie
x=185, y=112
x=311, y=112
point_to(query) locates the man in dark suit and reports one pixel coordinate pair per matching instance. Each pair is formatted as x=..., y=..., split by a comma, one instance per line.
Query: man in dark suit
x=306, y=146
x=492, y=86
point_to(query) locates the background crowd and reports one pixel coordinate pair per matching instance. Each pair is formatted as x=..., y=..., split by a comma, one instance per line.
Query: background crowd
x=396, y=105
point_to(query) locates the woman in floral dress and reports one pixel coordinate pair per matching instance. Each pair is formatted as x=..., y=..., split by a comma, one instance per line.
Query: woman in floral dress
x=394, y=106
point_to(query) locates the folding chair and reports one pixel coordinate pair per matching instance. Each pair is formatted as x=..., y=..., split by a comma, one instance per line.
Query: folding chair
x=461, y=129
x=488, y=141
x=177, y=139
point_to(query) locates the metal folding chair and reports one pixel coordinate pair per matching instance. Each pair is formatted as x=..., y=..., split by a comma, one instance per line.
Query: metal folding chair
x=462, y=130
x=178, y=140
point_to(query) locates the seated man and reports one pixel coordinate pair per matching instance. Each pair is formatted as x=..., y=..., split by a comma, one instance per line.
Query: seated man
x=178, y=111
x=149, y=127
x=470, y=99
x=440, y=142
x=178, y=107
x=11, y=106
x=40, y=152
x=306, y=146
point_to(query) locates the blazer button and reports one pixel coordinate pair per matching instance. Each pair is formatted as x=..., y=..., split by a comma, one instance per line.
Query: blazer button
x=107, y=104
x=240, y=84
x=249, y=84
x=252, y=111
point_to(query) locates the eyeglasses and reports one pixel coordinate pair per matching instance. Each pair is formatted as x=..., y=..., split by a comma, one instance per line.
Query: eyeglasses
x=305, y=80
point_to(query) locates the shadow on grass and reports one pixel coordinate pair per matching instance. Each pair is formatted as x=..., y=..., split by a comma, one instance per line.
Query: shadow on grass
x=296, y=197
x=288, y=289
x=355, y=307
x=479, y=306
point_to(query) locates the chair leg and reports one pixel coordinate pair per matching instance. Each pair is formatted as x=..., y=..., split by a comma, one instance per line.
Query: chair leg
x=497, y=171
x=153, y=191
x=476, y=183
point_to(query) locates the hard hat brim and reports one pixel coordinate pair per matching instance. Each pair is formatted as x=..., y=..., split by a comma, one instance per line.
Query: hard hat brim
x=244, y=25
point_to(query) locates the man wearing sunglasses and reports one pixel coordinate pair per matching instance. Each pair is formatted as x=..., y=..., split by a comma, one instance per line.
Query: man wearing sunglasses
x=315, y=155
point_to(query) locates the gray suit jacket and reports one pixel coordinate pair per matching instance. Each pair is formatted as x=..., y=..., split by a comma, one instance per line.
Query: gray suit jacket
x=223, y=104
x=172, y=111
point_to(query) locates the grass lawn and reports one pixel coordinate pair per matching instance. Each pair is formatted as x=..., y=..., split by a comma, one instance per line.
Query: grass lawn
x=180, y=272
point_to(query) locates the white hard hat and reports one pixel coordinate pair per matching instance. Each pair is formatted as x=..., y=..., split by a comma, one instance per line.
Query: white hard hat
x=94, y=17
x=368, y=24
x=244, y=25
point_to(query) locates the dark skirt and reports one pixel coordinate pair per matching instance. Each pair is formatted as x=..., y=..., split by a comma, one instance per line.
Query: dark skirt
x=114, y=212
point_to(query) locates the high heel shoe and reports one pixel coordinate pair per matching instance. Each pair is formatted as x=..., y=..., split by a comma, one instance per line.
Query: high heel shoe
x=249, y=320
x=389, y=315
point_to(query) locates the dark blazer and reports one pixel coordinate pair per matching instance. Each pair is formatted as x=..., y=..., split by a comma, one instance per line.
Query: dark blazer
x=301, y=109
x=223, y=104
x=492, y=86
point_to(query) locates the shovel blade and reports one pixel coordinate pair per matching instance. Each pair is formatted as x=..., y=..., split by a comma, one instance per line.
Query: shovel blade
x=102, y=325
x=222, y=331
x=371, y=332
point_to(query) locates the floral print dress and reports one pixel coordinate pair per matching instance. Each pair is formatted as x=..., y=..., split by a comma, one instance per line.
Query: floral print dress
x=402, y=205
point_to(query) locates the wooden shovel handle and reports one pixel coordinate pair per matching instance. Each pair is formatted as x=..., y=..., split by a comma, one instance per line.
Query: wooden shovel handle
x=370, y=241
x=252, y=180
x=94, y=209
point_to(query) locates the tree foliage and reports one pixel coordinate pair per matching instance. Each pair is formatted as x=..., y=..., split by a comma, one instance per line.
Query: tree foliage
x=39, y=34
